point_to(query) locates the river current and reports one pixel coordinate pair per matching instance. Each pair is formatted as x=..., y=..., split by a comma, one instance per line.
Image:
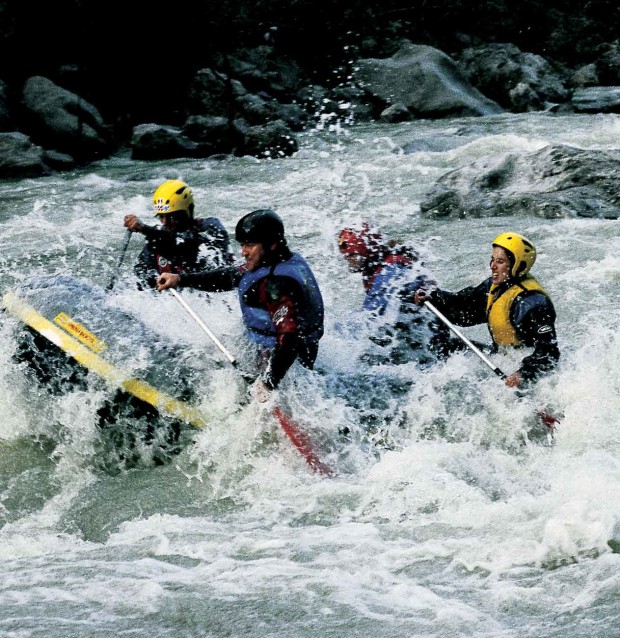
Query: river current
x=448, y=519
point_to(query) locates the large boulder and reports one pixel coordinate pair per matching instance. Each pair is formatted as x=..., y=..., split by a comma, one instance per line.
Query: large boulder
x=160, y=141
x=271, y=140
x=20, y=158
x=214, y=93
x=557, y=181
x=60, y=120
x=596, y=99
x=425, y=81
x=262, y=70
x=517, y=80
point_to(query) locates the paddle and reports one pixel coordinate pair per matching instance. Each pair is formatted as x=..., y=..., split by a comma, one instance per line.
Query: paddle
x=550, y=421
x=298, y=438
x=120, y=260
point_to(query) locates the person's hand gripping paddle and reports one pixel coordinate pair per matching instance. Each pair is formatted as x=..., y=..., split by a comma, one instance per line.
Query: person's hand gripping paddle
x=549, y=421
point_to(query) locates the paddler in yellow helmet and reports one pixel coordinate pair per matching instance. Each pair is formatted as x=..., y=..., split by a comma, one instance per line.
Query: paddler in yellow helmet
x=182, y=243
x=515, y=306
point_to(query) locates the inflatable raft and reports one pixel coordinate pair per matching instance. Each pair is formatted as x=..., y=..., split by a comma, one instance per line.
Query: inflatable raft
x=72, y=329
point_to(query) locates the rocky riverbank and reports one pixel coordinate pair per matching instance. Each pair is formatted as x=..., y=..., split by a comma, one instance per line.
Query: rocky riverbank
x=256, y=100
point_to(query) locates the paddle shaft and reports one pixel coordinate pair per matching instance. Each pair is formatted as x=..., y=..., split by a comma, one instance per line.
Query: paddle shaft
x=205, y=329
x=465, y=340
x=549, y=420
x=121, y=259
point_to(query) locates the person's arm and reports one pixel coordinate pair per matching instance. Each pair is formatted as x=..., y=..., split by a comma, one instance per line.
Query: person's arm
x=467, y=307
x=282, y=298
x=217, y=280
x=533, y=316
x=181, y=247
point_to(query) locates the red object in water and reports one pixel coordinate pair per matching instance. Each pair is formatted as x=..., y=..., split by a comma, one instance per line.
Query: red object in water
x=550, y=421
x=301, y=442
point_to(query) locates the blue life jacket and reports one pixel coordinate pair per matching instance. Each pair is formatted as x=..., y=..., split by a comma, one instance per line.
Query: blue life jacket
x=258, y=323
x=384, y=285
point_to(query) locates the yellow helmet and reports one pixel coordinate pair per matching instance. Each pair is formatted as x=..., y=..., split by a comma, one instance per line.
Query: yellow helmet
x=172, y=196
x=521, y=249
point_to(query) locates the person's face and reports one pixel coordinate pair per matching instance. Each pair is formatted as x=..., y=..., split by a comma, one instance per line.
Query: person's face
x=174, y=221
x=500, y=265
x=253, y=255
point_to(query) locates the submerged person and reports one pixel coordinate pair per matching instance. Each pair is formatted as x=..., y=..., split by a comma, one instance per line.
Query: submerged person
x=391, y=273
x=517, y=309
x=183, y=243
x=281, y=304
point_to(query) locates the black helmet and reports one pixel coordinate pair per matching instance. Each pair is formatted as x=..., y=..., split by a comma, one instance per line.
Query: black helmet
x=262, y=226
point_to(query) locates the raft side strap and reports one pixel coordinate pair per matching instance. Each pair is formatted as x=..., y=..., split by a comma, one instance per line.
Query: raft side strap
x=70, y=346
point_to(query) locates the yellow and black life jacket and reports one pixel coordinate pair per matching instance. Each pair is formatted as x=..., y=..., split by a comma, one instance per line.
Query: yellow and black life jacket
x=498, y=310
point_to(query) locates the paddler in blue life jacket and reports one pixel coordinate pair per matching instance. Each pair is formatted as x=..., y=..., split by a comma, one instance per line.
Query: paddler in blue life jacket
x=183, y=243
x=391, y=273
x=515, y=306
x=280, y=300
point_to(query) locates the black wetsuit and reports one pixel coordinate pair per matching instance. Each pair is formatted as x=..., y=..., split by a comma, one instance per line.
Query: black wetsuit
x=531, y=314
x=204, y=245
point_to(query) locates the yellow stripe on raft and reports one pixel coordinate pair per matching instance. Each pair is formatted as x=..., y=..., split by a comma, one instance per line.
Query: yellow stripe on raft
x=143, y=391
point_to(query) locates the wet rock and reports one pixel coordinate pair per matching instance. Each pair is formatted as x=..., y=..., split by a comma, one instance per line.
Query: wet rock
x=557, y=181
x=596, y=99
x=212, y=132
x=517, y=80
x=157, y=141
x=61, y=120
x=269, y=140
x=396, y=113
x=425, y=80
x=20, y=158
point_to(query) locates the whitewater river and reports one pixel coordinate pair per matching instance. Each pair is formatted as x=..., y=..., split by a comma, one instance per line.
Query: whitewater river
x=446, y=514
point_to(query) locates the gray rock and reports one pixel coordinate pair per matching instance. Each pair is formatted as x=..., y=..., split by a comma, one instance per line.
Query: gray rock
x=212, y=132
x=396, y=113
x=517, y=80
x=596, y=99
x=61, y=120
x=157, y=141
x=20, y=158
x=584, y=76
x=214, y=93
x=268, y=140
x=555, y=182
x=425, y=80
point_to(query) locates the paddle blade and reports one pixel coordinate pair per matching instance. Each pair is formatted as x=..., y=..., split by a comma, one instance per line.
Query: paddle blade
x=301, y=441
x=548, y=420
x=551, y=423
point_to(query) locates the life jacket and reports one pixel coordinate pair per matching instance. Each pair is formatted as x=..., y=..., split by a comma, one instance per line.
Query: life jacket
x=380, y=285
x=162, y=264
x=391, y=259
x=499, y=306
x=258, y=323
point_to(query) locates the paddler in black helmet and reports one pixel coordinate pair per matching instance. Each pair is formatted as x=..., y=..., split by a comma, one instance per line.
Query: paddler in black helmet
x=280, y=300
x=515, y=306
